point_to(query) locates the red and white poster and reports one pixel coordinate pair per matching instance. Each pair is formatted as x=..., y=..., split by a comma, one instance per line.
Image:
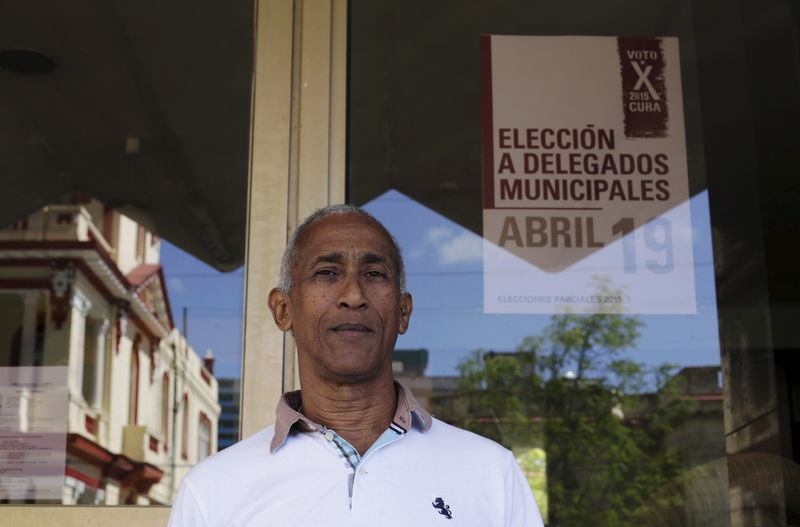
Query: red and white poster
x=585, y=182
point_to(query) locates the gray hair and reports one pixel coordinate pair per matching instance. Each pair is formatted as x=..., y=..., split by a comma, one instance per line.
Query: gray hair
x=291, y=254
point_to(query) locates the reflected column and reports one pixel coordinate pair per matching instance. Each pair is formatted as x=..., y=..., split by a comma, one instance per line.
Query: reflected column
x=79, y=308
x=30, y=301
x=100, y=336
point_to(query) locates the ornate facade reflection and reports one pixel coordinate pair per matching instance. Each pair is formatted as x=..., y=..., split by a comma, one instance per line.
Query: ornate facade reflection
x=83, y=297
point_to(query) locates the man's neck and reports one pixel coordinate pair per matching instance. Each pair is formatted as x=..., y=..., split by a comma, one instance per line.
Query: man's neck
x=359, y=413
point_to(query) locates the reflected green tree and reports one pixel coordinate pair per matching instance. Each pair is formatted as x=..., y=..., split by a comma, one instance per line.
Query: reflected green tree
x=600, y=418
x=533, y=463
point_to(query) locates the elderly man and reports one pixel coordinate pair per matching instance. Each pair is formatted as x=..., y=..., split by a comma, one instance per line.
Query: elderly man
x=353, y=448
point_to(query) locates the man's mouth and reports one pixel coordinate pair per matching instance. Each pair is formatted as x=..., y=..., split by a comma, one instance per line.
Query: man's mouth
x=352, y=330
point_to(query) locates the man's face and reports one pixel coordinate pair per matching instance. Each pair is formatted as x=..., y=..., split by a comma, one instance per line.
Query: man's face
x=345, y=307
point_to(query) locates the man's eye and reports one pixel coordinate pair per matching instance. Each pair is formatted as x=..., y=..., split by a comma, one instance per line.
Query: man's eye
x=325, y=272
x=375, y=274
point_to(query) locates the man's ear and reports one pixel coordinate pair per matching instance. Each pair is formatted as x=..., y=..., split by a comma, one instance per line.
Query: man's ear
x=280, y=305
x=406, y=306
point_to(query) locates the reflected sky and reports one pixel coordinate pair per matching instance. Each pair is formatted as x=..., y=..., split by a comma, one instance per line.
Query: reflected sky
x=444, y=263
x=214, y=301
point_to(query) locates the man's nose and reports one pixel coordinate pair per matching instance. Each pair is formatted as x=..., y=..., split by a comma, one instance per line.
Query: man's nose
x=352, y=294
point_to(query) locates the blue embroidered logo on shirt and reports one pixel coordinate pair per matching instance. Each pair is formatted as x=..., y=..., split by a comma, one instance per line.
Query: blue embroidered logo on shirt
x=443, y=509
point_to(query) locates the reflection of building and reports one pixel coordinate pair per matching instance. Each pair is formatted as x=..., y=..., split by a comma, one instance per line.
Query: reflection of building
x=435, y=394
x=81, y=286
x=229, y=394
x=698, y=440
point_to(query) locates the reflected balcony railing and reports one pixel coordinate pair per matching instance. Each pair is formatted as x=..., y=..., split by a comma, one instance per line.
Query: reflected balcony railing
x=58, y=223
x=142, y=445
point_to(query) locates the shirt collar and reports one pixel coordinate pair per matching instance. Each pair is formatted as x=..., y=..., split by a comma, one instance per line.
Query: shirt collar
x=288, y=416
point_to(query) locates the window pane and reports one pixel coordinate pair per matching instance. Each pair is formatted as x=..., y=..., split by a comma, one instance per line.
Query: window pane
x=620, y=412
x=125, y=149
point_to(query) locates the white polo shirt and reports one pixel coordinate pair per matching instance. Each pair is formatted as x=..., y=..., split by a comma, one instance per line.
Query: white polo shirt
x=296, y=473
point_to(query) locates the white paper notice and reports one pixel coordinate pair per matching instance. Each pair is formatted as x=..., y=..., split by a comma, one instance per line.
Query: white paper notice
x=33, y=432
x=585, y=181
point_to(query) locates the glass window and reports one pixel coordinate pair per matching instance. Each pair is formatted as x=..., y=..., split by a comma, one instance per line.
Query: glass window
x=573, y=323
x=122, y=241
